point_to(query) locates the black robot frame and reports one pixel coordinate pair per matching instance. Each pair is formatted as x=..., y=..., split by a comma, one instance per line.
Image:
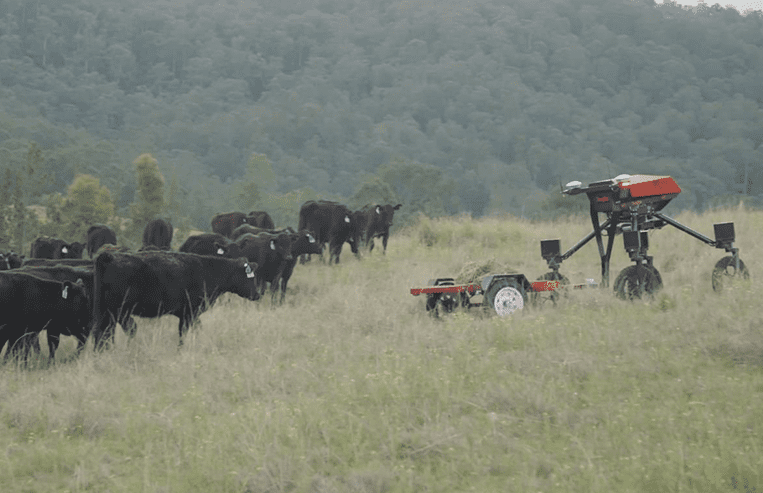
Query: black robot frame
x=634, y=217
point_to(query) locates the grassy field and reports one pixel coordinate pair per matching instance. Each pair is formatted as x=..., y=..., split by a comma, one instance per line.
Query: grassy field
x=351, y=387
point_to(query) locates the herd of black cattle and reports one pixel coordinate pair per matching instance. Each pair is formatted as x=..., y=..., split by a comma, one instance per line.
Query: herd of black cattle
x=58, y=291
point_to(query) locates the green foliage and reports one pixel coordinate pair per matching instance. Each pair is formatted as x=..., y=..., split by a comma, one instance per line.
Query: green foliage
x=420, y=188
x=87, y=203
x=284, y=207
x=259, y=180
x=5, y=209
x=372, y=191
x=150, y=192
x=502, y=105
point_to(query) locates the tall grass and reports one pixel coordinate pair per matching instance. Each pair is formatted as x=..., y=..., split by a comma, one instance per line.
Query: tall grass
x=350, y=387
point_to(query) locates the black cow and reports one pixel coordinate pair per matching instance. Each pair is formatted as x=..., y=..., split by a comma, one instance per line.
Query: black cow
x=359, y=223
x=377, y=219
x=84, y=274
x=157, y=233
x=269, y=252
x=61, y=273
x=152, y=284
x=10, y=261
x=108, y=247
x=97, y=236
x=330, y=222
x=211, y=244
x=303, y=243
x=54, y=248
x=260, y=219
x=76, y=249
x=73, y=262
x=29, y=304
x=246, y=228
x=224, y=224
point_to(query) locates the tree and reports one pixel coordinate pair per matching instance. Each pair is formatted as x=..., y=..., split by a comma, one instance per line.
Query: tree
x=86, y=203
x=373, y=191
x=259, y=180
x=150, y=192
x=5, y=210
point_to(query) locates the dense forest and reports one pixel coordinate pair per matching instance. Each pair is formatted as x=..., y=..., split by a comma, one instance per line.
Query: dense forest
x=448, y=107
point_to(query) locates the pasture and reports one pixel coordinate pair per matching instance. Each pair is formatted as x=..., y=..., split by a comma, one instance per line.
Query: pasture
x=351, y=387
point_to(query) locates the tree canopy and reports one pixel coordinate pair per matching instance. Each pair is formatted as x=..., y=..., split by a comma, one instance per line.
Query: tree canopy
x=492, y=103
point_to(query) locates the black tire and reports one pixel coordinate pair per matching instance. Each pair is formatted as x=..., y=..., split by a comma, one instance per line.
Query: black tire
x=656, y=273
x=637, y=281
x=447, y=303
x=432, y=301
x=538, y=298
x=725, y=270
x=505, y=297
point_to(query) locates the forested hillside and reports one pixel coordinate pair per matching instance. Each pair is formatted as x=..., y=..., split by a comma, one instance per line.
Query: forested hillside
x=447, y=106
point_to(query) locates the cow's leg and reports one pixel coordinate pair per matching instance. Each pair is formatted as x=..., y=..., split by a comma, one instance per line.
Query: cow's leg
x=81, y=341
x=186, y=320
x=274, y=288
x=384, y=242
x=284, y=282
x=371, y=244
x=335, y=251
x=53, y=339
x=129, y=327
x=103, y=330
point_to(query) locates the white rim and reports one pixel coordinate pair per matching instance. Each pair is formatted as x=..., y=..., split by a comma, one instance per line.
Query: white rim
x=507, y=301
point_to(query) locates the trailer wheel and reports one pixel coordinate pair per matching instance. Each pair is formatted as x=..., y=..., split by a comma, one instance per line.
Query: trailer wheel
x=505, y=297
x=432, y=300
x=636, y=281
x=537, y=298
x=725, y=270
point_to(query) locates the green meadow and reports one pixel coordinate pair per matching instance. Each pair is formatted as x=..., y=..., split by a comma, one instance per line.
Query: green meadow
x=350, y=386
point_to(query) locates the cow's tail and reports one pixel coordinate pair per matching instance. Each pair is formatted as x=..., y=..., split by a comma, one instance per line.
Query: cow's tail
x=99, y=303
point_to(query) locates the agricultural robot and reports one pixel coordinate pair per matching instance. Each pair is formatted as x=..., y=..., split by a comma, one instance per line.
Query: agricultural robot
x=632, y=205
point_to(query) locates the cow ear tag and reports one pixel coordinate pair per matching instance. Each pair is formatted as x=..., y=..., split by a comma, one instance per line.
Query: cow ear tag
x=65, y=293
x=64, y=250
x=272, y=245
x=346, y=219
x=220, y=251
x=378, y=209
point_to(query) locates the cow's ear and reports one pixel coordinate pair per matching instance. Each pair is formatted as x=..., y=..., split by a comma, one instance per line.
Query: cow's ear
x=347, y=219
x=398, y=206
x=272, y=244
x=378, y=209
x=80, y=282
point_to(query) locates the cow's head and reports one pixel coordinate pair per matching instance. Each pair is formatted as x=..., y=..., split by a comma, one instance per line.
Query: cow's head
x=76, y=299
x=75, y=250
x=385, y=214
x=230, y=250
x=304, y=243
x=281, y=244
x=245, y=282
